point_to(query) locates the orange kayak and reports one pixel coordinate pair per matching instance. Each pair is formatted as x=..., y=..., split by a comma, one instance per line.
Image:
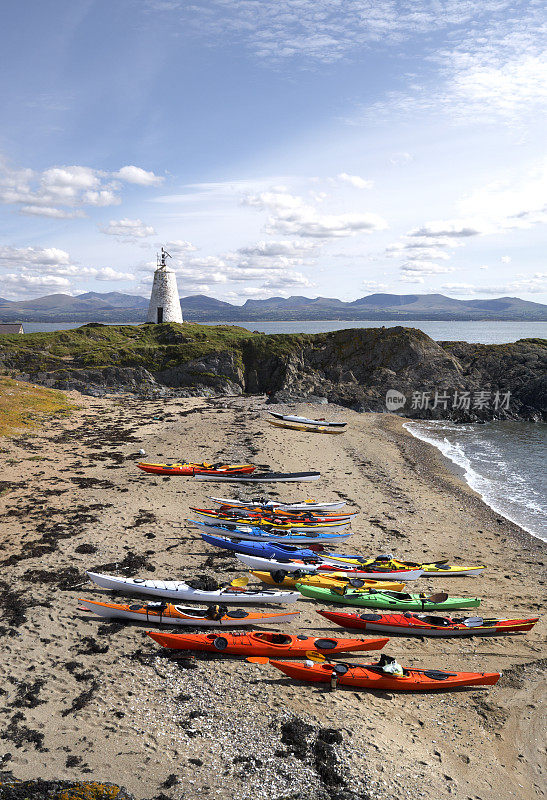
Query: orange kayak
x=371, y=676
x=196, y=469
x=166, y=613
x=263, y=643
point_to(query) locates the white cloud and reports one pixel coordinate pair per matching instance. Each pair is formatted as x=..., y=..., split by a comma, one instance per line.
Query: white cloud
x=505, y=259
x=374, y=286
x=141, y=177
x=70, y=179
x=128, y=228
x=33, y=284
x=320, y=30
x=177, y=247
x=46, y=269
x=276, y=201
x=493, y=70
x=102, y=197
x=447, y=228
x=271, y=249
x=292, y=216
x=205, y=262
x=54, y=213
x=109, y=274
x=326, y=226
x=534, y=284
x=61, y=192
x=355, y=181
x=33, y=257
x=421, y=268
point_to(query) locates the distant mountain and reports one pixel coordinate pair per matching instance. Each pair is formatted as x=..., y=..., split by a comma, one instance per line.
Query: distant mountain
x=294, y=302
x=200, y=302
x=116, y=299
x=120, y=307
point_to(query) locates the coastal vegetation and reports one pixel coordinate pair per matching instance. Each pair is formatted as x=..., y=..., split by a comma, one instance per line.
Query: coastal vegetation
x=354, y=367
x=25, y=406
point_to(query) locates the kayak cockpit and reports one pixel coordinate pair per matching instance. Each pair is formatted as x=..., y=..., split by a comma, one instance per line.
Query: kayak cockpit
x=276, y=639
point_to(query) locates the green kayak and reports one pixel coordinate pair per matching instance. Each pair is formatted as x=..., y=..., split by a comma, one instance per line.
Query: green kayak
x=374, y=598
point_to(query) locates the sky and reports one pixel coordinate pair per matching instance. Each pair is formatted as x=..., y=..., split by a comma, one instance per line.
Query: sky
x=331, y=148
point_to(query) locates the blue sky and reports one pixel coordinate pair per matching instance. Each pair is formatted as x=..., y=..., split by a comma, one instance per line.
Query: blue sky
x=317, y=147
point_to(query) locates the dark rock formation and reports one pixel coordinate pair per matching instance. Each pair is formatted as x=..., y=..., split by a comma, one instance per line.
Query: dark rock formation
x=354, y=368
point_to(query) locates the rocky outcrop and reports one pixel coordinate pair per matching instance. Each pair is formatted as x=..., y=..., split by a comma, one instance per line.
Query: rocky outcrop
x=356, y=368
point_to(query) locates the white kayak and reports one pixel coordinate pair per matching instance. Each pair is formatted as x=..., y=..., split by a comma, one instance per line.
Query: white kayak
x=167, y=614
x=265, y=477
x=353, y=571
x=306, y=421
x=178, y=590
x=250, y=534
x=262, y=502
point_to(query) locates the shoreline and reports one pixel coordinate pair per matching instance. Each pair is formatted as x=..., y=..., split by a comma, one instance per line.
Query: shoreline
x=131, y=714
x=461, y=472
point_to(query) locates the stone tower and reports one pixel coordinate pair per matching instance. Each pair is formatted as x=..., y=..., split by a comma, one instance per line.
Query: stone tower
x=164, y=300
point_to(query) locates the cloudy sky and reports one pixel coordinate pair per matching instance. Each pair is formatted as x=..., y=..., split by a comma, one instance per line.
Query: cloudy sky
x=275, y=147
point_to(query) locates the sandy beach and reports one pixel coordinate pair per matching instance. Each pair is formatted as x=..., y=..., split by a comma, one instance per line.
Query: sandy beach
x=92, y=700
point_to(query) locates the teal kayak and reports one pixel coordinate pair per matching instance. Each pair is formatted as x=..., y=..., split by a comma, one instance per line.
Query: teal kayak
x=374, y=598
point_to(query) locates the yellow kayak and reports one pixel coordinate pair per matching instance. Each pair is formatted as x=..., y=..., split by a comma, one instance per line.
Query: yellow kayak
x=327, y=581
x=307, y=428
x=441, y=568
x=277, y=524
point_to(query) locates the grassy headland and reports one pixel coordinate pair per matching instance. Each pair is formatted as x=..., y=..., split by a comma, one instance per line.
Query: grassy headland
x=23, y=405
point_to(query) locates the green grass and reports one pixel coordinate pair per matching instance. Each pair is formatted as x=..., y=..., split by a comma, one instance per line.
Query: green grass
x=154, y=347
x=23, y=405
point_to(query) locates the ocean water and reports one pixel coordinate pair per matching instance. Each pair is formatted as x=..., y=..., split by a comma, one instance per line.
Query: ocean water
x=450, y=331
x=483, y=332
x=505, y=462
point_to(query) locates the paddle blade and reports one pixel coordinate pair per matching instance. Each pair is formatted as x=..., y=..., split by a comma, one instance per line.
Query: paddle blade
x=319, y=658
x=257, y=660
x=240, y=582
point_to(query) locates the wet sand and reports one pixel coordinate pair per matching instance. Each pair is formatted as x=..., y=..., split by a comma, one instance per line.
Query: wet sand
x=87, y=699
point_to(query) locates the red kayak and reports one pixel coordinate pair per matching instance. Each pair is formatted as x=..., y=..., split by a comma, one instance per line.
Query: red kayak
x=184, y=468
x=371, y=676
x=409, y=624
x=262, y=643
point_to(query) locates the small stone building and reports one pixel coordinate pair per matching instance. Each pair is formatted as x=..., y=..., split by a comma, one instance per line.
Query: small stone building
x=164, y=300
x=11, y=327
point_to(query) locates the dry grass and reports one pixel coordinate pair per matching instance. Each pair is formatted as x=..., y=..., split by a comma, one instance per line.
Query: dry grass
x=23, y=405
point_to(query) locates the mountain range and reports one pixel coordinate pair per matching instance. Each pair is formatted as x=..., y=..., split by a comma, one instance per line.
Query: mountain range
x=120, y=307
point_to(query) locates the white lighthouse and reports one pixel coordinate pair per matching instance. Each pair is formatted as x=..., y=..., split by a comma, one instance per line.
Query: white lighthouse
x=164, y=300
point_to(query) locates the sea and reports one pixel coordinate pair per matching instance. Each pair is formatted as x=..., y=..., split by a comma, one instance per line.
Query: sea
x=452, y=331
x=505, y=462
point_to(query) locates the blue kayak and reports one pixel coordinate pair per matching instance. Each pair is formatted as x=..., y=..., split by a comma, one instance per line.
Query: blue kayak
x=263, y=549
x=276, y=550
x=253, y=534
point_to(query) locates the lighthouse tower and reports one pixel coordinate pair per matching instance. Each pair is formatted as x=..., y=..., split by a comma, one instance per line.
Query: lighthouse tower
x=164, y=300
